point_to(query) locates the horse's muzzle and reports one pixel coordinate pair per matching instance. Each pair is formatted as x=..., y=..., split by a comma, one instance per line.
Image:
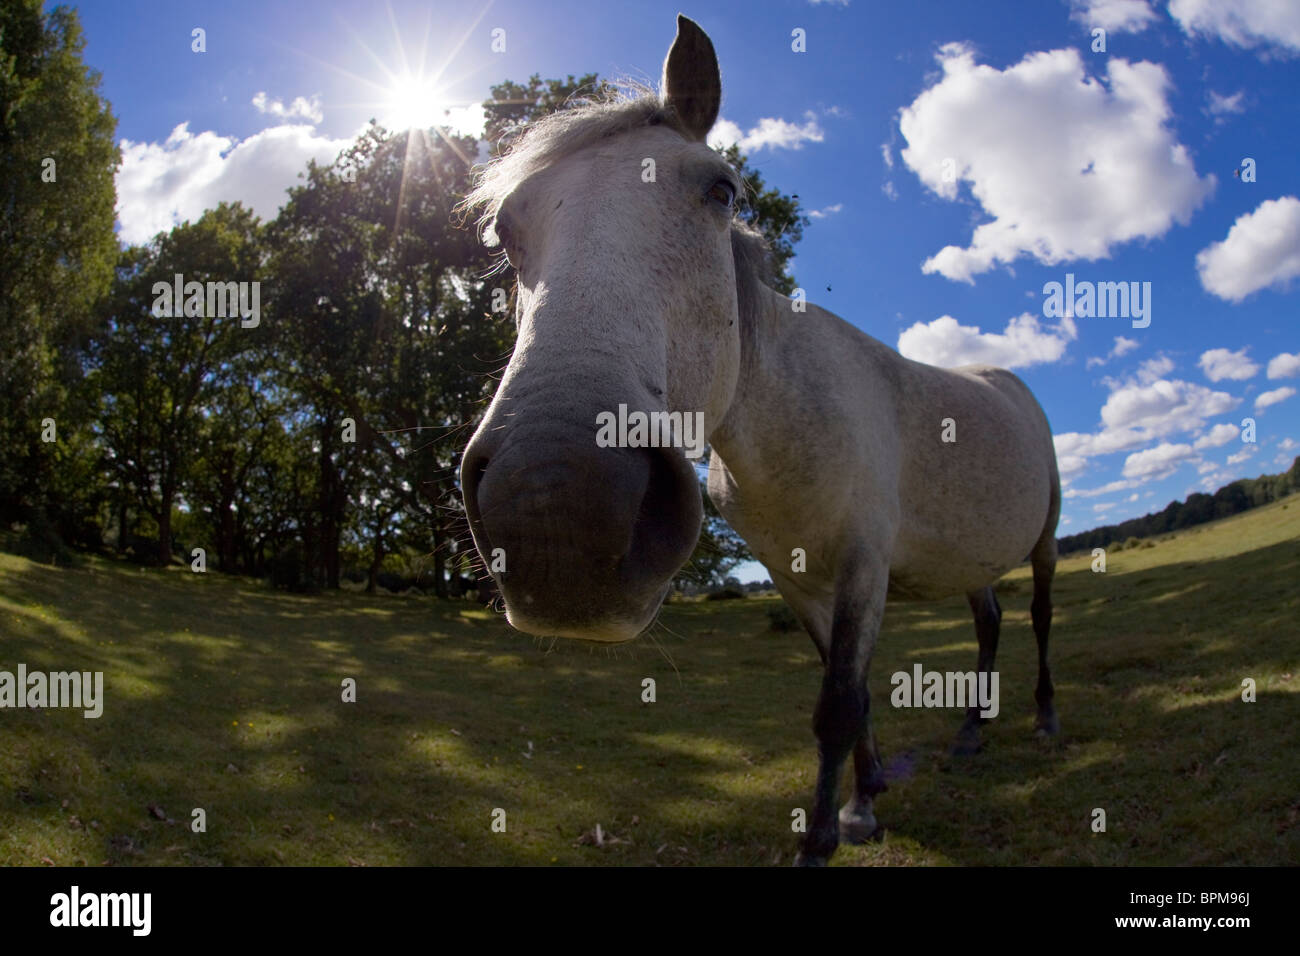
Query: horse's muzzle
x=582, y=541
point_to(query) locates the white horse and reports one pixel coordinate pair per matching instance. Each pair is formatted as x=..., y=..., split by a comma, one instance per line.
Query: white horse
x=638, y=287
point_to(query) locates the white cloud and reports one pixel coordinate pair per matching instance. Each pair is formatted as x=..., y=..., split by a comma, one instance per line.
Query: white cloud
x=1065, y=166
x=1132, y=497
x=1154, y=369
x=1287, y=444
x=1105, y=506
x=887, y=154
x=1219, y=364
x=1219, y=106
x=1069, y=465
x=300, y=108
x=1025, y=342
x=1103, y=490
x=1246, y=24
x=826, y=211
x=162, y=184
x=1284, y=365
x=1216, y=436
x=724, y=133
x=1121, y=348
x=1117, y=16
x=1164, y=407
x=464, y=120
x=1264, y=399
x=1138, y=414
x=1262, y=249
x=768, y=134
x=1158, y=462
x=890, y=192
x=1239, y=457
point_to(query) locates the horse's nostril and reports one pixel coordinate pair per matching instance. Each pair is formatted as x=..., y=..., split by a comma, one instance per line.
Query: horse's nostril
x=471, y=478
x=668, y=520
x=472, y=474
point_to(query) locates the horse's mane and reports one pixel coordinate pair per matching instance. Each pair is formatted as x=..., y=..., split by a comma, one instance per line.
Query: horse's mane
x=578, y=125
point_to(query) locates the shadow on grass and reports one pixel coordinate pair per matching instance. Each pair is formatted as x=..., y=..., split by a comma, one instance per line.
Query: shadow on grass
x=226, y=697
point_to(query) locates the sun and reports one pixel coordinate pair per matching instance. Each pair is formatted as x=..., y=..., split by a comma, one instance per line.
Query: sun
x=412, y=102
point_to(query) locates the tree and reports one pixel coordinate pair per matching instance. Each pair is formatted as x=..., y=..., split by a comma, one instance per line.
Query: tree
x=773, y=213
x=159, y=373
x=1232, y=498
x=237, y=426
x=57, y=163
x=718, y=551
x=514, y=105
x=382, y=317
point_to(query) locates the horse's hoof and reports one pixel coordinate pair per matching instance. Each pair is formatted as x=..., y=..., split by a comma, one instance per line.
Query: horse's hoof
x=1047, y=726
x=859, y=829
x=861, y=836
x=803, y=859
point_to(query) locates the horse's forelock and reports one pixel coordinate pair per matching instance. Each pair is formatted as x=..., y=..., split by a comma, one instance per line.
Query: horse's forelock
x=557, y=135
x=573, y=128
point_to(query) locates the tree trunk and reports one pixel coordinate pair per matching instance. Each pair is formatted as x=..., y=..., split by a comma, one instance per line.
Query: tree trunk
x=439, y=560
x=165, y=528
x=334, y=504
x=121, y=524
x=226, y=538
x=335, y=533
x=376, y=558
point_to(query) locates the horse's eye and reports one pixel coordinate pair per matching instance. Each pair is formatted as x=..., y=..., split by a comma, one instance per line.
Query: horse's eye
x=723, y=192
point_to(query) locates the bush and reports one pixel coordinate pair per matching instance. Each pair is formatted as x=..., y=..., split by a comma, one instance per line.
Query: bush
x=393, y=582
x=289, y=571
x=41, y=542
x=1132, y=543
x=728, y=593
x=781, y=618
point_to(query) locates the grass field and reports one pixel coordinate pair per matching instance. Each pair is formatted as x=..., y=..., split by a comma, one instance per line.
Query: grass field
x=223, y=695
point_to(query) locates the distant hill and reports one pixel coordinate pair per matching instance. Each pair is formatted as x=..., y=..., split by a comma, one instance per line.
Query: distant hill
x=1240, y=495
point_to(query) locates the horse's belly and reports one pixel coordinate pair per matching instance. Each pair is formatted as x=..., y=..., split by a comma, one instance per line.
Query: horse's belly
x=940, y=567
x=909, y=584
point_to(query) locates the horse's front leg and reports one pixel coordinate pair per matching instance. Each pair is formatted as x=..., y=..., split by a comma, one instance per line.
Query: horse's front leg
x=857, y=817
x=841, y=718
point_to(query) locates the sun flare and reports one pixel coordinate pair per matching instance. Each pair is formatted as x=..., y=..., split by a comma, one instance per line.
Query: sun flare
x=412, y=103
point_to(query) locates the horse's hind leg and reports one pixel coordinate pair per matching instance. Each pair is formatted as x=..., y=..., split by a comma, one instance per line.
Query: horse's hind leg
x=857, y=817
x=988, y=622
x=1044, y=563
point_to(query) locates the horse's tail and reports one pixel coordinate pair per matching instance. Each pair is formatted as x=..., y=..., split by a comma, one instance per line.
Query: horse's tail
x=1043, y=561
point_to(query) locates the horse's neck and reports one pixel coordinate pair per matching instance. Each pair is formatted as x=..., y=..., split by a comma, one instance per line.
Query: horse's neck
x=805, y=379
x=777, y=371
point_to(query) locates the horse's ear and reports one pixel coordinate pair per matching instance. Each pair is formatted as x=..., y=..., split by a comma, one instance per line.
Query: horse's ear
x=692, y=86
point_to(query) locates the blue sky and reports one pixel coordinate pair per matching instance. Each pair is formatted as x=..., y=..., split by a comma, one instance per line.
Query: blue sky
x=956, y=157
